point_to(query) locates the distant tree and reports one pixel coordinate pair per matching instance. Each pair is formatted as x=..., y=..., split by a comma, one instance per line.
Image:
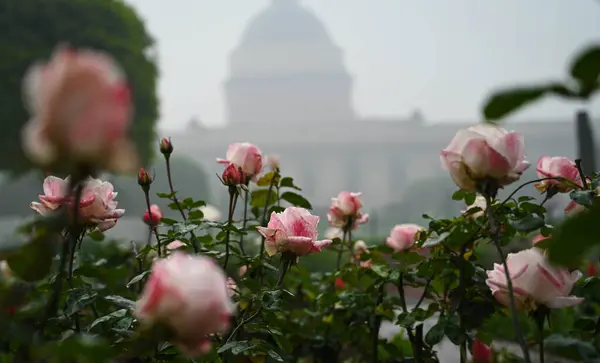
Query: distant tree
x=31, y=28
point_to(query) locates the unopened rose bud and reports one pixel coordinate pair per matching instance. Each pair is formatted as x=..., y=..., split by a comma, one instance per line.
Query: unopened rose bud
x=339, y=283
x=481, y=352
x=233, y=175
x=153, y=216
x=166, y=147
x=144, y=179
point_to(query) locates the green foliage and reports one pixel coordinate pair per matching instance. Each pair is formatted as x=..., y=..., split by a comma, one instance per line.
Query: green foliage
x=584, y=72
x=32, y=28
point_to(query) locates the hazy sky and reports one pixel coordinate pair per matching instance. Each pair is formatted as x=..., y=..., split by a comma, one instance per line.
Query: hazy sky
x=442, y=56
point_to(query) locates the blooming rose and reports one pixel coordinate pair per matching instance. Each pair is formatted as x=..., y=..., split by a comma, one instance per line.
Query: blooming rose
x=97, y=205
x=535, y=281
x=293, y=230
x=273, y=162
x=478, y=203
x=484, y=152
x=360, y=247
x=189, y=294
x=346, y=206
x=175, y=245
x=554, y=167
x=80, y=105
x=403, y=236
x=153, y=216
x=245, y=155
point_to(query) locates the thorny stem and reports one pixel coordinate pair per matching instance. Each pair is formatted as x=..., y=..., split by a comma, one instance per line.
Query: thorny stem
x=232, y=200
x=341, y=251
x=284, y=268
x=416, y=346
x=511, y=294
x=244, y=221
x=264, y=222
x=528, y=183
x=74, y=232
x=176, y=201
x=581, y=173
x=158, y=246
x=376, y=325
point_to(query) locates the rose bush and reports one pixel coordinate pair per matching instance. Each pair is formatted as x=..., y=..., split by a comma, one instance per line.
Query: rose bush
x=199, y=289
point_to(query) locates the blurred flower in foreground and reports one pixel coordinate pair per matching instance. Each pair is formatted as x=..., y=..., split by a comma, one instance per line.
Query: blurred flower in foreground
x=81, y=111
x=190, y=294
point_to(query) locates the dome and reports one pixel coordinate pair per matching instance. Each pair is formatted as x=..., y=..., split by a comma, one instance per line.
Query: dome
x=285, y=21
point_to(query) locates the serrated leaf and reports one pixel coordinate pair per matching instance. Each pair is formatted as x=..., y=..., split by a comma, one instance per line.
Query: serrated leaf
x=259, y=198
x=528, y=223
x=288, y=182
x=436, y=333
x=434, y=241
x=586, y=67
x=115, y=314
x=120, y=301
x=138, y=278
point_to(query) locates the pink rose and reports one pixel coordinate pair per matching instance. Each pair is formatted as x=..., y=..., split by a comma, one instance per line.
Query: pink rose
x=360, y=247
x=190, y=294
x=403, y=236
x=247, y=156
x=293, y=230
x=484, y=152
x=346, y=206
x=478, y=203
x=535, y=281
x=557, y=166
x=80, y=105
x=175, y=245
x=153, y=216
x=273, y=162
x=538, y=238
x=97, y=206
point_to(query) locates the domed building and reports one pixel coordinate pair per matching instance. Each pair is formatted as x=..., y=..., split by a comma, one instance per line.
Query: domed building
x=287, y=60
x=289, y=92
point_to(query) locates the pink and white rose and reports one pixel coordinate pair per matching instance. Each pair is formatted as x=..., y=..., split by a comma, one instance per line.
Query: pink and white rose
x=293, y=230
x=403, y=236
x=344, y=207
x=97, y=206
x=557, y=167
x=189, y=294
x=484, y=152
x=81, y=111
x=535, y=281
x=246, y=156
x=360, y=247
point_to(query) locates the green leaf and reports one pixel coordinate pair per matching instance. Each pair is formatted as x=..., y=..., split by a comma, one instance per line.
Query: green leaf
x=434, y=241
x=571, y=348
x=96, y=235
x=78, y=300
x=259, y=198
x=34, y=260
x=575, y=237
x=115, y=314
x=504, y=102
x=266, y=179
x=138, y=278
x=296, y=200
x=583, y=197
x=273, y=354
x=237, y=347
x=586, y=67
x=436, y=333
x=120, y=301
x=528, y=223
x=288, y=182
